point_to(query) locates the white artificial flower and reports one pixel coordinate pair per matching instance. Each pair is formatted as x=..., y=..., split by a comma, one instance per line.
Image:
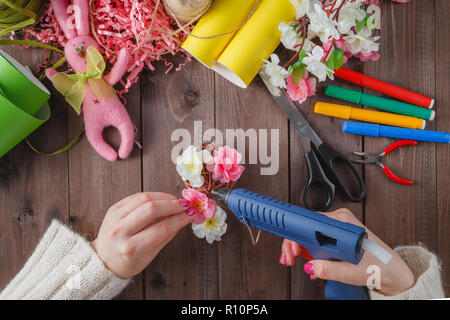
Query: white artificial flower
x=275, y=73
x=290, y=38
x=361, y=42
x=273, y=90
x=190, y=165
x=301, y=7
x=349, y=14
x=212, y=229
x=321, y=25
x=316, y=66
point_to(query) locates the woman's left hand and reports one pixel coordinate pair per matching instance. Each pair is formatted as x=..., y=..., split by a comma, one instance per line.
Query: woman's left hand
x=395, y=277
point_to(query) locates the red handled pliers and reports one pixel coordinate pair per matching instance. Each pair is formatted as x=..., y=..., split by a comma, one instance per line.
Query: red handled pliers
x=376, y=159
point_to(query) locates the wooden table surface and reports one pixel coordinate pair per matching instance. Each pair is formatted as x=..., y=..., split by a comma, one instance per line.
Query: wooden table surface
x=78, y=186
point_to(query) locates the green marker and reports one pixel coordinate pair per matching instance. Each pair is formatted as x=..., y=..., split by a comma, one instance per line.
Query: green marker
x=380, y=102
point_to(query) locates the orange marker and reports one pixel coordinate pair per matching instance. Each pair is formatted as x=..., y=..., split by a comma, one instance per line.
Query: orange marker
x=347, y=112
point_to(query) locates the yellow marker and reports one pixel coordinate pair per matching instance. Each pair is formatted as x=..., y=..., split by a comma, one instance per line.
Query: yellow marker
x=347, y=112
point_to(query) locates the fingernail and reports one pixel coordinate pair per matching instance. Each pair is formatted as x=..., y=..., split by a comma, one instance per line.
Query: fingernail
x=183, y=202
x=308, y=267
x=292, y=250
x=288, y=261
x=191, y=212
x=284, y=259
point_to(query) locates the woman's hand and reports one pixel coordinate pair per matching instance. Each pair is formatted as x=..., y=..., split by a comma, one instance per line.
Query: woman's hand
x=395, y=277
x=135, y=229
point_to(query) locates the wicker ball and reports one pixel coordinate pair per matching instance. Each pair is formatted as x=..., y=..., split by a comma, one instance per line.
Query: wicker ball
x=186, y=10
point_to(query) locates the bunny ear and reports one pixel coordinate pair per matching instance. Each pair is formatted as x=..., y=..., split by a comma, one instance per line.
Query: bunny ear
x=83, y=17
x=60, y=9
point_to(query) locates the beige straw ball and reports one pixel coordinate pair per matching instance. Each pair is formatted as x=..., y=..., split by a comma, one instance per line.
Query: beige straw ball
x=186, y=10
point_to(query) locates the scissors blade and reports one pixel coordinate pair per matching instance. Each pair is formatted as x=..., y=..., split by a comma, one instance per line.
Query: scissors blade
x=297, y=120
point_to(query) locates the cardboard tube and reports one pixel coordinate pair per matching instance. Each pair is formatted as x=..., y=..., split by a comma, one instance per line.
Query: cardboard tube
x=242, y=59
x=223, y=16
x=23, y=103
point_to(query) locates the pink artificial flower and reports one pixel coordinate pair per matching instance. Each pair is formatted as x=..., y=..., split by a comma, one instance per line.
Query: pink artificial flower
x=225, y=165
x=198, y=205
x=366, y=56
x=311, y=84
x=305, y=88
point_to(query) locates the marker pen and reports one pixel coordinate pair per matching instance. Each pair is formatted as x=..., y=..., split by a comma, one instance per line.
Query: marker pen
x=347, y=113
x=390, y=105
x=384, y=87
x=375, y=130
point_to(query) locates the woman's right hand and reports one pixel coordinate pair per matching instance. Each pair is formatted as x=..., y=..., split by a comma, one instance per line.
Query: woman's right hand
x=136, y=228
x=395, y=277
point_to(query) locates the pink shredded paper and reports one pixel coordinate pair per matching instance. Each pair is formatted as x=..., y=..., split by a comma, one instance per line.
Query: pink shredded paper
x=149, y=35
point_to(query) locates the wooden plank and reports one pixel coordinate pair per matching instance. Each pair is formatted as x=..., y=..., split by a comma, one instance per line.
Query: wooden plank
x=33, y=188
x=398, y=214
x=186, y=268
x=442, y=8
x=247, y=271
x=96, y=184
x=329, y=129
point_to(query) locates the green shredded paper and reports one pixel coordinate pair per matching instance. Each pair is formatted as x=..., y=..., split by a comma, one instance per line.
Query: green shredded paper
x=18, y=14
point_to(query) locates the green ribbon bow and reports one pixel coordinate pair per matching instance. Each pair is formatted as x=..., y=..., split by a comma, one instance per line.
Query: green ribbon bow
x=73, y=86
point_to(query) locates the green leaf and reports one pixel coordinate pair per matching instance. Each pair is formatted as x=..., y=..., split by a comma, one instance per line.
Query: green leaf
x=298, y=68
x=302, y=54
x=362, y=23
x=336, y=59
x=298, y=73
x=359, y=26
x=371, y=23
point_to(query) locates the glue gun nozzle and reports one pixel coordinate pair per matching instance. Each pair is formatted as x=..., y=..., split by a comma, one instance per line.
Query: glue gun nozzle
x=221, y=195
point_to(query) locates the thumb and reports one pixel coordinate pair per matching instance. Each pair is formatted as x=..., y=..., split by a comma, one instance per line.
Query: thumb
x=335, y=270
x=50, y=72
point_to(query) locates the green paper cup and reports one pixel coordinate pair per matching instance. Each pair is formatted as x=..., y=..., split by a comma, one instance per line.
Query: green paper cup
x=23, y=103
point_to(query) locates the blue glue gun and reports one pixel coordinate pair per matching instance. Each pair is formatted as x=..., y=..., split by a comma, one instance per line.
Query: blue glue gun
x=323, y=237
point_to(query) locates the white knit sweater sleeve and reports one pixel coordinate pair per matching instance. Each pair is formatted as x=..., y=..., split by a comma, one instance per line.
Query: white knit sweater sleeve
x=63, y=266
x=426, y=269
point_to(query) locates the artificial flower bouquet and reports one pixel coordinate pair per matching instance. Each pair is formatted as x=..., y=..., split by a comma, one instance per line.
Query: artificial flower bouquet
x=325, y=35
x=203, y=170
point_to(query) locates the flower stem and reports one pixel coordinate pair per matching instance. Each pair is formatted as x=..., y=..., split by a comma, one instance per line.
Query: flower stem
x=304, y=30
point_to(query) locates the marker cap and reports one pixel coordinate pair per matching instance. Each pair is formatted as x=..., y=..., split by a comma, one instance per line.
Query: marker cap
x=349, y=75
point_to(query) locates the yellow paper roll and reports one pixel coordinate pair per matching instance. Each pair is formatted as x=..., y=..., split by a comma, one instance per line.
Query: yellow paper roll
x=242, y=59
x=223, y=16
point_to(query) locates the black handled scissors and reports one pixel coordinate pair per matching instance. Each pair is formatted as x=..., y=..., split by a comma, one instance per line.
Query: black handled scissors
x=319, y=156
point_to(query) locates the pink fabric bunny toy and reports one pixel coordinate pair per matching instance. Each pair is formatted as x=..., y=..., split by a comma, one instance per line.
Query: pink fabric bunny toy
x=98, y=113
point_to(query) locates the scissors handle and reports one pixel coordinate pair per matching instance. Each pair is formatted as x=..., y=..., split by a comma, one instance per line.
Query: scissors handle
x=317, y=177
x=329, y=156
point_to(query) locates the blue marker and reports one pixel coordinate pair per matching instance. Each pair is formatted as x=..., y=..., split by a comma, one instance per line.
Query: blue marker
x=376, y=130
